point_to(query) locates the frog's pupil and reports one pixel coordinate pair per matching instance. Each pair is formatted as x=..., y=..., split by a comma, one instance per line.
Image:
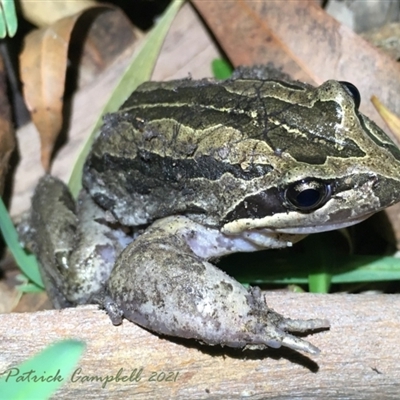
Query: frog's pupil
x=307, y=198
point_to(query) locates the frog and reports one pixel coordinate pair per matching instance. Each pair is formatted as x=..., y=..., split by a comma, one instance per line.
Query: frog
x=189, y=171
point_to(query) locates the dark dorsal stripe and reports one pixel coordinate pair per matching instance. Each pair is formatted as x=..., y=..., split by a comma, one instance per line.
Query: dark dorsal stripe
x=176, y=171
x=283, y=125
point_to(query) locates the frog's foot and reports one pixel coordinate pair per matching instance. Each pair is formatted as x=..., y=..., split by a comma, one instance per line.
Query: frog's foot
x=279, y=326
x=159, y=283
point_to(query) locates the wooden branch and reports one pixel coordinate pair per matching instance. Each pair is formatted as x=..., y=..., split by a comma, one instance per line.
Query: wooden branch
x=359, y=359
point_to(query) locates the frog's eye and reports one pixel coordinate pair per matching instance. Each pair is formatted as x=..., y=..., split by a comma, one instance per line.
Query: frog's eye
x=353, y=92
x=308, y=194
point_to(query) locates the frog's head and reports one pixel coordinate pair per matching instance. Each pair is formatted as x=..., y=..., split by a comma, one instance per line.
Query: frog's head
x=347, y=170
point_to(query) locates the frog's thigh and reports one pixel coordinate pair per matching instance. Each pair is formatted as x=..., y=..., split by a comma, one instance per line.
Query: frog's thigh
x=160, y=284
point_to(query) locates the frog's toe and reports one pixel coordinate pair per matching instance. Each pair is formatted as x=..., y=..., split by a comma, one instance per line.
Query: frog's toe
x=296, y=343
x=303, y=325
x=161, y=285
x=272, y=329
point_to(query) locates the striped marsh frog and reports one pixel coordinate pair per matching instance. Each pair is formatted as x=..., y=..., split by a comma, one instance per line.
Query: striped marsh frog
x=189, y=171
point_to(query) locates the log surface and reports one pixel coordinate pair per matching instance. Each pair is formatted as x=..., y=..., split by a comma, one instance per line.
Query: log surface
x=359, y=355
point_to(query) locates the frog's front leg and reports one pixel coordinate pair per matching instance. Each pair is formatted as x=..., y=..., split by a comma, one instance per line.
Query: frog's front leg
x=160, y=283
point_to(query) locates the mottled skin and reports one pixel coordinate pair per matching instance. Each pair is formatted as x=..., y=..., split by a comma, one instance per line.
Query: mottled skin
x=197, y=170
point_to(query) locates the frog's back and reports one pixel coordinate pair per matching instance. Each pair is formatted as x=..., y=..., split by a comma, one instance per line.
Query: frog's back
x=179, y=147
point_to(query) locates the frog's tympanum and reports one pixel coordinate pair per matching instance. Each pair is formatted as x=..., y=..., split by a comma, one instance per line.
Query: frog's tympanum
x=189, y=171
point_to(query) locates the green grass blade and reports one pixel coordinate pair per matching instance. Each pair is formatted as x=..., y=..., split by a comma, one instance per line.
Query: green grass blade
x=29, y=288
x=3, y=25
x=26, y=262
x=367, y=269
x=317, y=260
x=221, y=68
x=138, y=72
x=319, y=250
x=10, y=16
x=52, y=367
x=319, y=282
x=285, y=268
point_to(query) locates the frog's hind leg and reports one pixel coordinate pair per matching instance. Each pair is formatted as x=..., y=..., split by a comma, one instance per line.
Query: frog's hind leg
x=75, y=245
x=160, y=284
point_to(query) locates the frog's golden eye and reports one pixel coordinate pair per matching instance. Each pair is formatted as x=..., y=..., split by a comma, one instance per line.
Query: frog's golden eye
x=353, y=92
x=308, y=194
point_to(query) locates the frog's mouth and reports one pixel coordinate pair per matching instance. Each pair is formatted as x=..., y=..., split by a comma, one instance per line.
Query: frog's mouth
x=306, y=230
x=265, y=238
x=295, y=224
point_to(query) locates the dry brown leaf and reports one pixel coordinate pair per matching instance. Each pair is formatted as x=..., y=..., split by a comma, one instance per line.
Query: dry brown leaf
x=105, y=40
x=9, y=294
x=306, y=42
x=7, y=136
x=11, y=298
x=43, y=64
x=391, y=119
x=31, y=302
x=386, y=38
x=44, y=13
x=391, y=230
